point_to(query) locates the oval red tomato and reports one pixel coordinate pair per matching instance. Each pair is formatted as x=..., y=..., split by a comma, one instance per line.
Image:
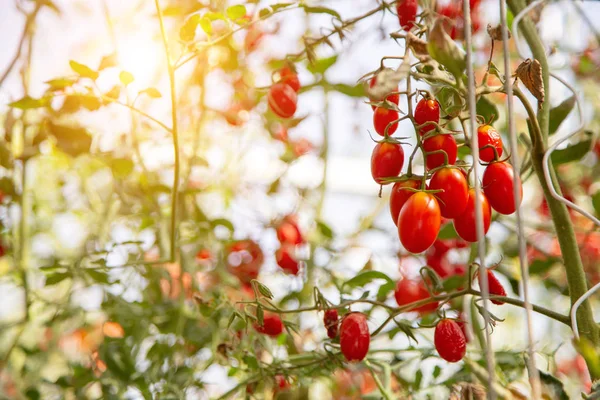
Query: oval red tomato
x=465, y=223
x=272, y=325
x=427, y=110
x=419, y=222
x=282, y=100
x=407, y=13
x=386, y=161
x=449, y=340
x=409, y=291
x=288, y=231
x=288, y=76
x=382, y=117
x=286, y=260
x=400, y=194
x=354, y=337
x=498, y=186
x=330, y=320
x=446, y=143
x=455, y=191
x=244, y=259
x=488, y=135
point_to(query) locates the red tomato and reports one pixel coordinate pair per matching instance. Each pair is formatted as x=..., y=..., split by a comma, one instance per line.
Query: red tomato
x=465, y=223
x=382, y=117
x=253, y=38
x=244, y=259
x=427, y=110
x=446, y=143
x=203, y=256
x=498, y=187
x=330, y=320
x=449, y=340
x=495, y=288
x=286, y=260
x=453, y=199
x=409, y=291
x=386, y=161
x=407, y=13
x=419, y=222
x=289, y=77
x=392, y=98
x=272, y=325
x=281, y=384
x=288, y=231
x=487, y=135
x=282, y=100
x=236, y=115
x=354, y=337
x=399, y=195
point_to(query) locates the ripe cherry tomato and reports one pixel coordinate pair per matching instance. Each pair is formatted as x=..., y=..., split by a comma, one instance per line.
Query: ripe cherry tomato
x=427, y=110
x=419, y=222
x=465, y=223
x=244, y=259
x=449, y=340
x=272, y=325
x=330, y=320
x=494, y=287
x=399, y=196
x=407, y=13
x=498, y=187
x=487, y=135
x=453, y=199
x=290, y=77
x=282, y=100
x=285, y=259
x=409, y=291
x=382, y=117
x=386, y=161
x=289, y=232
x=392, y=98
x=445, y=143
x=354, y=337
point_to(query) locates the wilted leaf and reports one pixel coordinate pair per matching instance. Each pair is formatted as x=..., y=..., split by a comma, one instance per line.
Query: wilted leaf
x=559, y=113
x=126, y=78
x=417, y=45
x=530, y=73
x=496, y=32
x=444, y=50
x=83, y=70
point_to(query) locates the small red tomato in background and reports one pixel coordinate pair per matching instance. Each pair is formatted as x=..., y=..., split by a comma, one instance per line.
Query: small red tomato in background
x=253, y=38
x=286, y=260
x=495, y=288
x=386, y=161
x=236, y=115
x=288, y=231
x=449, y=340
x=281, y=383
x=440, y=264
x=446, y=143
x=409, y=291
x=427, y=110
x=330, y=320
x=244, y=259
x=453, y=199
x=419, y=222
x=290, y=77
x=392, y=98
x=282, y=100
x=354, y=337
x=382, y=117
x=272, y=325
x=488, y=135
x=498, y=187
x=407, y=13
x=302, y=146
x=465, y=223
x=400, y=194
x=203, y=256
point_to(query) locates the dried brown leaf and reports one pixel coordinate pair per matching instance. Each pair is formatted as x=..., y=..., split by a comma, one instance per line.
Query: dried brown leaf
x=417, y=45
x=496, y=32
x=468, y=391
x=530, y=73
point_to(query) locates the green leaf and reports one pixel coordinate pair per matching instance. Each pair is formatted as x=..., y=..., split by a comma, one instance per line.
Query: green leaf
x=362, y=279
x=454, y=282
x=7, y=186
x=436, y=371
x=57, y=278
x=188, y=31
x=321, y=65
x=71, y=140
x=571, y=153
x=418, y=379
x=271, y=9
x=541, y=266
x=27, y=103
x=206, y=26
x=222, y=222
x=251, y=362
x=384, y=290
x=321, y=10
x=487, y=110
x=447, y=232
x=121, y=167
x=97, y=276
x=112, y=94
x=552, y=386
x=236, y=12
x=325, y=230
x=352, y=91
x=126, y=78
x=450, y=101
x=6, y=158
x=559, y=113
x=60, y=83
x=83, y=70
x=108, y=61
x=152, y=92
x=590, y=354
x=596, y=202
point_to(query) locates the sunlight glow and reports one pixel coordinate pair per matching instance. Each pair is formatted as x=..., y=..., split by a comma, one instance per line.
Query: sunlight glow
x=143, y=58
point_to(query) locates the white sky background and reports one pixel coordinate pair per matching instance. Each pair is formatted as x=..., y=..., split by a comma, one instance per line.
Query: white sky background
x=81, y=34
